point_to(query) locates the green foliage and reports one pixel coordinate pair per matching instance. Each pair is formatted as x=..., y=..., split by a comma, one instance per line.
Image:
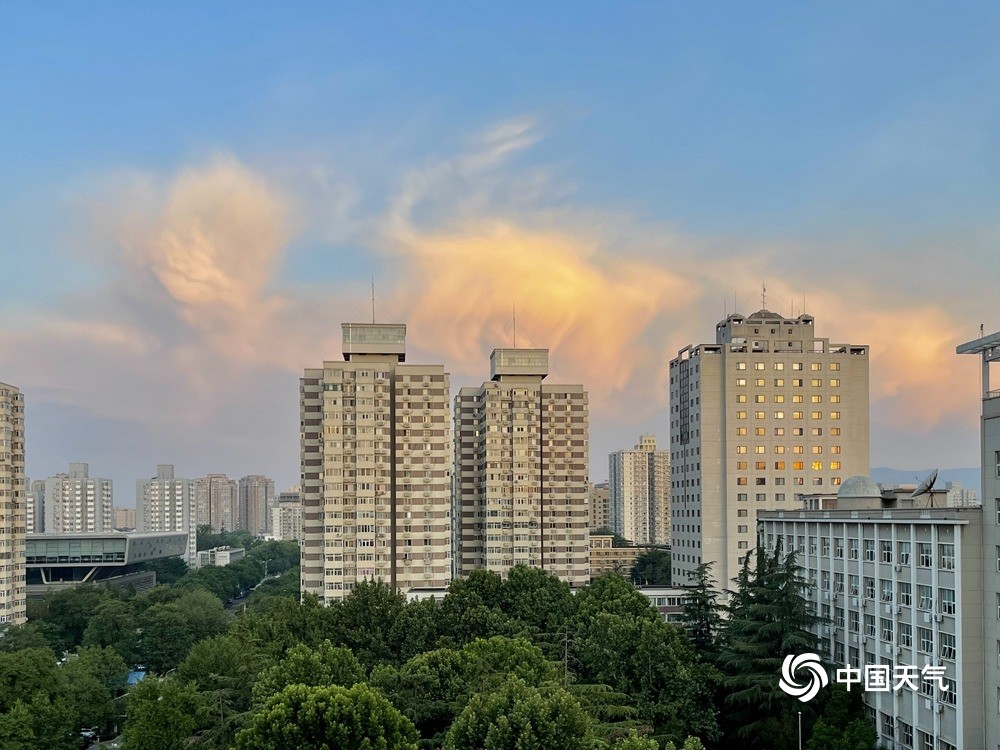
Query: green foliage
x=617, y=539
x=635, y=741
x=769, y=619
x=653, y=569
x=16, y=731
x=162, y=714
x=325, y=665
x=27, y=673
x=94, y=676
x=168, y=570
x=37, y=634
x=518, y=716
x=277, y=624
x=301, y=717
x=114, y=624
x=702, y=611
x=691, y=743
x=843, y=725
x=69, y=611
x=612, y=594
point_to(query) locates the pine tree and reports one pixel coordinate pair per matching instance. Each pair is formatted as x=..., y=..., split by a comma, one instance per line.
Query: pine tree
x=702, y=616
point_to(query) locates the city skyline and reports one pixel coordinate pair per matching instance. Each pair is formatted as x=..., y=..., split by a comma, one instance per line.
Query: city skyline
x=169, y=244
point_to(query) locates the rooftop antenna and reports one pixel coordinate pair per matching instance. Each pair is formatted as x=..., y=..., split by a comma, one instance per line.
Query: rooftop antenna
x=803, y=303
x=763, y=295
x=981, y=334
x=513, y=313
x=373, y=299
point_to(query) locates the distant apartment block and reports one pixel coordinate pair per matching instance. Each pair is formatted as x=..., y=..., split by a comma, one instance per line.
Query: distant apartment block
x=600, y=506
x=521, y=471
x=124, y=519
x=219, y=556
x=12, y=506
x=35, y=505
x=217, y=502
x=166, y=502
x=376, y=467
x=768, y=412
x=639, y=480
x=959, y=497
x=256, y=500
x=606, y=558
x=77, y=502
x=286, y=523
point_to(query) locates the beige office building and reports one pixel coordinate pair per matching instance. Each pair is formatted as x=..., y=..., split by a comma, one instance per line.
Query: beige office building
x=600, y=506
x=376, y=477
x=988, y=350
x=768, y=412
x=217, y=502
x=521, y=471
x=124, y=519
x=256, y=500
x=168, y=503
x=77, y=502
x=640, y=493
x=12, y=506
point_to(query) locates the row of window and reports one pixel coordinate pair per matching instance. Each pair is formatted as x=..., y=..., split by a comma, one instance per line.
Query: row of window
x=780, y=382
x=885, y=551
x=795, y=415
x=815, y=366
x=780, y=431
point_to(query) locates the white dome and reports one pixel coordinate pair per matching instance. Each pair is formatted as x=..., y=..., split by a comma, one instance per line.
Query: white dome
x=860, y=486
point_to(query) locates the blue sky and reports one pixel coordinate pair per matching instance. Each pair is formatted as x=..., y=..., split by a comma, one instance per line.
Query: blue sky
x=849, y=152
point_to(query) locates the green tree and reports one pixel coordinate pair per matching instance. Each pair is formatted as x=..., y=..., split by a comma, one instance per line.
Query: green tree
x=617, y=539
x=843, y=724
x=702, y=611
x=69, y=611
x=162, y=714
x=165, y=638
x=538, y=599
x=363, y=620
x=325, y=665
x=16, y=731
x=27, y=673
x=301, y=717
x=652, y=569
x=95, y=676
x=769, y=618
x=114, y=624
x=635, y=741
x=612, y=594
x=521, y=716
x=168, y=570
x=280, y=623
x=38, y=634
x=691, y=743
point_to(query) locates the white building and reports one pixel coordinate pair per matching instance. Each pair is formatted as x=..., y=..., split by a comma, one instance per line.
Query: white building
x=219, y=556
x=767, y=412
x=988, y=349
x=167, y=503
x=521, y=471
x=900, y=584
x=77, y=502
x=639, y=480
x=286, y=523
x=12, y=506
x=376, y=467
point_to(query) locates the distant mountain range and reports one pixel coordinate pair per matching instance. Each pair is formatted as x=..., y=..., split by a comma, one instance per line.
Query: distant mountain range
x=970, y=478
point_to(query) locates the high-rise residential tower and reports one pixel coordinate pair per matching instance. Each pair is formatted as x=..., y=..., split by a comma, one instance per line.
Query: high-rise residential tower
x=521, y=470
x=600, y=506
x=77, y=502
x=12, y=506
x=167, y=503
x=256, y=493
x=768, y=412
x=988, y=349
x=639, y=480
x=35, y=505
x=376, y=458
x=217, y=502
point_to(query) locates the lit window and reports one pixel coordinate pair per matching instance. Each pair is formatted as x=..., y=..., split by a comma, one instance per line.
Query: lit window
x=758, y=399
x=816, y=415
x=835, y=466
x=758, y=366
x=758, y=415
x=741, y=465
x=741, y=431
x=835, y=449
x=779, y=465
x=760, y=449
x=835, y=431
x=816, y=399
x=779, y=449
x=816, y=366
x=816, y=383
x=741, y=481
x=796, y=382
x=741, y=365
x=797, y=399
x=780, y=431
x=817, y=466
x=779, y=365
x=741, y=449
x=798, y=449
x=796, y=415
x=779, y=399
x=741, y=415
x=796, y=365
x=834, y=415
x=798, y=465
x=741, y=381
x=761, y=466
x=741, y=398
x=779, y=382
x=759, y=382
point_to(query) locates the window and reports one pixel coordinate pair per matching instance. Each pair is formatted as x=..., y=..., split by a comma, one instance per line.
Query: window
x=796, y=399
x=741, y=529
x=835, y=449
x=758, y=365
x=854, y=549
x=817, y=431
x=887, y=591
x=798, y=465
x=815, y=366
x=779, y=465
x=741, y=481
x=796, y=365
x=886, y=628
x=741, y=449
x=780, y=431
x=835, y=431
x=835, y=466
x=925, y=597
x=741, y=497
x=834, y=415
x=853, y=582
x=838, y=578
x=796, y=382
x=905, y=594
x=759, y=382
x=839, y=548
x=779, y=399
x=741, y=365
x=816, y=383
x=924, y=555
x=870, y=625
x=741, y=398
x=835, y=366
x=779, y=449
x=779, y=382
x=855, y=621
x=741, y=513
x=761, y=497
x=904, y=553
x=779, y=415
x=741, y=415
x=816, y=415
x=741, y=431
x=947, y=646
x=741, y=381
x=760, y=431
x=886, y=547
x=796, y=415
x=835, y=399
x=925, y=638
x=779, y=365
x=741, y=465
x=948, y=601
x=817, y=449
x=947, y=555
x=905, y=635
x=758, y=449
x=869, y=588
x=949, y=696
x=798, y=449
x=758, y=415
x=761, y=466
x=815, y=399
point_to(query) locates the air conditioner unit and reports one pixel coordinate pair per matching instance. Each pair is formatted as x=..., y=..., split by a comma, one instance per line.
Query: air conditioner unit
x=899, y=650
x=898, y=567
x=927, y=616
x=938, y=618
x=899, y=609
x=855, y=601
x=928, y=704
x=888, y=609
x=938, y=708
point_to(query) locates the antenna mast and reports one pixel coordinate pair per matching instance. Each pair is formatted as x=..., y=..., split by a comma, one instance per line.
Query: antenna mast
x=373, y=299
x=513, y=314
x=763, y=295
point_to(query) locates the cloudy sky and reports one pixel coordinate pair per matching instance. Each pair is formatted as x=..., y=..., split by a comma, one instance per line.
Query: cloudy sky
x=193, y=199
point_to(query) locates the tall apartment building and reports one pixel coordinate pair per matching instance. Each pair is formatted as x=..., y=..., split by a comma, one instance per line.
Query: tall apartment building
x=988, y=349
x=767, y=412
x=600, y=506
x=286, y=517
x=125, y=518
x=12, y=506
x=375, y=458
x=77, y=502
x=900, y=584
x=34, y=505
x=217, y=502
x=256, y=500
x=521, y=470
x=167, y=503
x=640, y=492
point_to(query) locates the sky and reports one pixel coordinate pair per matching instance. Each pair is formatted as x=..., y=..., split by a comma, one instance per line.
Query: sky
x=194, y=196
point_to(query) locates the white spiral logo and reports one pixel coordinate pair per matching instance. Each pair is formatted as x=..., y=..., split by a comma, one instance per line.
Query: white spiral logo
x=810, y=663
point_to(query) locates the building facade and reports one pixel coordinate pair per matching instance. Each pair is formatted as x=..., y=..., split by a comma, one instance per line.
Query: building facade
x=167, y=503
x=900, y=584
x=256, y=500
x=217, y=502
x=12, y=506
x=125, y=519
x=35, y=505
x=521, y=471
x=77, y=502
x=286, y=517
x=219, y=556
x=639, y=481
x=600, y=506
x=767, y=412
x=988, y=350
x=376, y=476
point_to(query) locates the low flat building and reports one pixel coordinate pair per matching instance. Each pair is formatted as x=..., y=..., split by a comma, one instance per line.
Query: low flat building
x=220, y=556
x=57, y=561
x=668, y=600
